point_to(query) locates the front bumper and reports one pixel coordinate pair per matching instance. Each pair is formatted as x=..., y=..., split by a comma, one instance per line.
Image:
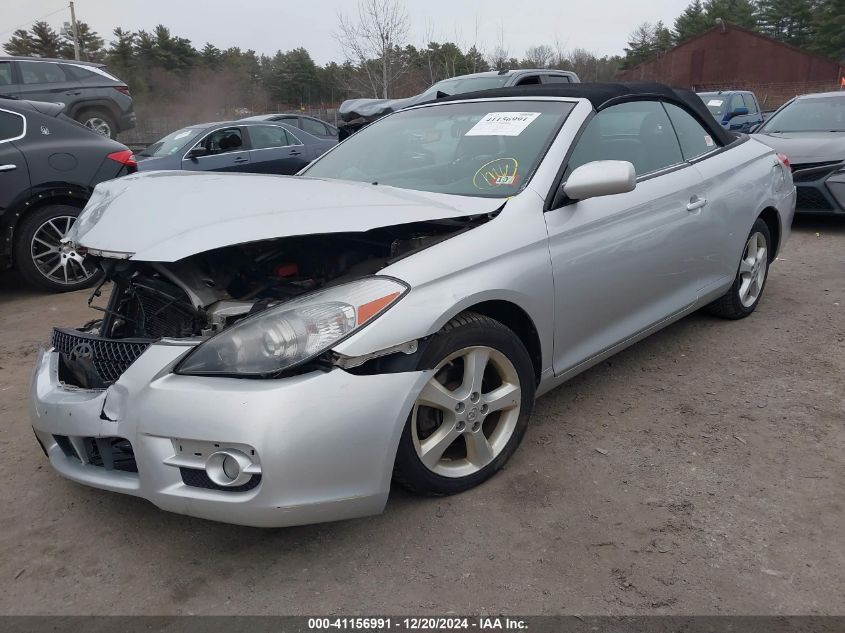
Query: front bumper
x=126, y=121
x=325, y=442
x=820, y=189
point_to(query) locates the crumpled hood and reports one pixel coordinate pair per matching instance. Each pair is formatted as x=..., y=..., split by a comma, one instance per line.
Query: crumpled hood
x=169, y=215
x=370, y=109
x=806, y=147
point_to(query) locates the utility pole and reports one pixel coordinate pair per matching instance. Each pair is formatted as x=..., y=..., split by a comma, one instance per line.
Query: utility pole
x=75, y=32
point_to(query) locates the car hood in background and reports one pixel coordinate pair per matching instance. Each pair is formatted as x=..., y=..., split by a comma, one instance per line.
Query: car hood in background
x=167, y=216
x=806, y=147
x=371, y=109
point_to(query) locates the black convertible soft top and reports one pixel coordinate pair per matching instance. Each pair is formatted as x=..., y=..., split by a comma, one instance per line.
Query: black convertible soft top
x=605, y=94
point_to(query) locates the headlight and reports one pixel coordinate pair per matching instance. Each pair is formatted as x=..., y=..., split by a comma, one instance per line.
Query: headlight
x=294, y=332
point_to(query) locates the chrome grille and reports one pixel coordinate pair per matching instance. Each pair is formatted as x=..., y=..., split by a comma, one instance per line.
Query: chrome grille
x=109, y=358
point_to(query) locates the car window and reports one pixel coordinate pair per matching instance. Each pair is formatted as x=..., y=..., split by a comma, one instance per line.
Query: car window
x=314, y=127
x=750, y=103
x=638, y=132
x=694, y=139
x=813, y=114
x=267, y=136
x=77, y=72
x=556, y=79
x=478, y=148
x=5, y=74
x=290, y=120
x=736, y=102
x=41, y=73
x=11, y=125
x=530, y=80
x=715, y=103
x=172, y=143
x=222, y=141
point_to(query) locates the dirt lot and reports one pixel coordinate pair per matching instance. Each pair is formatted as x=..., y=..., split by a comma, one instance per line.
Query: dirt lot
x=721, y=490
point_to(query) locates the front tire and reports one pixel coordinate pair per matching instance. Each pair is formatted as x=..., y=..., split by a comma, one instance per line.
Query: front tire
x=471, y=415
x=41, y=257
x=747, y=290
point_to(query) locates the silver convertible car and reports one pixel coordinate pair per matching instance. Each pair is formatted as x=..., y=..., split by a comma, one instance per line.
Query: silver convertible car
x=277, y=350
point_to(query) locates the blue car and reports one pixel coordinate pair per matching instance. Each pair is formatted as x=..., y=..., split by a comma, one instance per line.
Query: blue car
x=260, y=147
x=735, y=110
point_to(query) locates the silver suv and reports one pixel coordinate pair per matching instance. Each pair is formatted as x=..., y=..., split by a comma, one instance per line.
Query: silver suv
x=90, y=94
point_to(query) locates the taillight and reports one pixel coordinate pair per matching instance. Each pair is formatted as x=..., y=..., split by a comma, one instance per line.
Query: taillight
x=123, y=89
x=123, y=157
x=784, y=159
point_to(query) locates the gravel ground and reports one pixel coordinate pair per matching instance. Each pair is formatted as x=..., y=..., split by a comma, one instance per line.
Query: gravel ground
x=699, y=472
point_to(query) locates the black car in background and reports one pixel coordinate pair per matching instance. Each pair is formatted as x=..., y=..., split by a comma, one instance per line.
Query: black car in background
x=49, y=165
x=258, y=147
x=89, y=92
x=315, y=127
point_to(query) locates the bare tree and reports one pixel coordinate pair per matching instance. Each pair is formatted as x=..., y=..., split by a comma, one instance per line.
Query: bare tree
x=539, y=56
x=374, y=40
x=500, y=55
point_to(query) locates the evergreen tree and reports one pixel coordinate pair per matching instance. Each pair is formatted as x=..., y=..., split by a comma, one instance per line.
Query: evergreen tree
x=90, y=44
x=691, y=22
x=789, y=21
x=21, y=43
x=642, y=45
x=739, y=12
x=829, y=29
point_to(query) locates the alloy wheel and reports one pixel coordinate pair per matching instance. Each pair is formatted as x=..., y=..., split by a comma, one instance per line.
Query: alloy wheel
x=467, y=412
x=100, y=126
x=58, y=262
x=752, y=269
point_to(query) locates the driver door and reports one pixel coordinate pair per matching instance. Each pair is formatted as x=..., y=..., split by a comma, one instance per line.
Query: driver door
x=225, y=149
x=624, y=263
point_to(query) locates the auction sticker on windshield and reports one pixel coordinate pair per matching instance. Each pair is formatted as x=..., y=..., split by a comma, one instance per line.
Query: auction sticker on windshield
x=502, y=124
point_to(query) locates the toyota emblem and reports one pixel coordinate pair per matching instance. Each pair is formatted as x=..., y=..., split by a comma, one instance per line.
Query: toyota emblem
x=81, y=350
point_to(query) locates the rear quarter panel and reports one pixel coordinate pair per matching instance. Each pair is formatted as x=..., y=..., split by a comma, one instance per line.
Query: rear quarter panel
x=740, y=183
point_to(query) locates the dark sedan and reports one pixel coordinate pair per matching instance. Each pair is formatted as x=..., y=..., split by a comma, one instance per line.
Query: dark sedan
x=315, y=127
x=49, y=166
x=810, y=131
x=260, y=147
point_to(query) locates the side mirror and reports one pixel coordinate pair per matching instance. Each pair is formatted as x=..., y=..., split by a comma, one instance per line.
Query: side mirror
x=600, y=178
x=197, y=152
x=738, y=112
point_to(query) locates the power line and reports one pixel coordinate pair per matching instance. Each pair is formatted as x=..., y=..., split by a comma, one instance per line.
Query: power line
x=32, y=21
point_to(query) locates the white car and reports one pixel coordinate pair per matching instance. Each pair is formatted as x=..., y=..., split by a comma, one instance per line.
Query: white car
x=276, y=350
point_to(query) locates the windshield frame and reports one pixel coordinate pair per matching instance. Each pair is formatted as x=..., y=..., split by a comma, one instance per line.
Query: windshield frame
x=765, y=128
x=541, y=156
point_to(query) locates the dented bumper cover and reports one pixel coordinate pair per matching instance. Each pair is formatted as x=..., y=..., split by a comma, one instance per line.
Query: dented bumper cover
x=324, y=442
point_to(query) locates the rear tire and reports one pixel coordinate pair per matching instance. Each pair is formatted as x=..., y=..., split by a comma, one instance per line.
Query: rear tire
x=471, y=415
x=38, y=251
x=99, y=121
x=747, y=289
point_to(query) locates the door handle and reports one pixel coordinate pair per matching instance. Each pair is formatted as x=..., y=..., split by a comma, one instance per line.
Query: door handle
x=73, y=94
x=295, y=152
x=8, y=168
x=696, y=203
x=240, y=160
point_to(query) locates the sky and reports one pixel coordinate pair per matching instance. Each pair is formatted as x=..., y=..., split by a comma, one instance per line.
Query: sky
x=270, y=25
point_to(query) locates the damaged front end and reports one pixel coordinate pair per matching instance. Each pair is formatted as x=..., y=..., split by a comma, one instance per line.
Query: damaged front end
x=280, y=304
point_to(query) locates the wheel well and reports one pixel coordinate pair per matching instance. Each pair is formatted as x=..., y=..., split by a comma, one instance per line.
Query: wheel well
x=772, y=219
x=63, y=195
x=516, y=319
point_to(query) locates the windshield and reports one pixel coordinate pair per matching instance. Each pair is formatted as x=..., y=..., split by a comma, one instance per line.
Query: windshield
x=715, y=102
x=487, y=148
x=816, y=114
x=460, y=85
x=172, y=143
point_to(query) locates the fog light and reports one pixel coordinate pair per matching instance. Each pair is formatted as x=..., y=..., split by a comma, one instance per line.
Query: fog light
x=228, y=468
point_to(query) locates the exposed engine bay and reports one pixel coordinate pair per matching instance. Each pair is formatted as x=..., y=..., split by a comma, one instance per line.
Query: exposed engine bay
x=204, y=294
